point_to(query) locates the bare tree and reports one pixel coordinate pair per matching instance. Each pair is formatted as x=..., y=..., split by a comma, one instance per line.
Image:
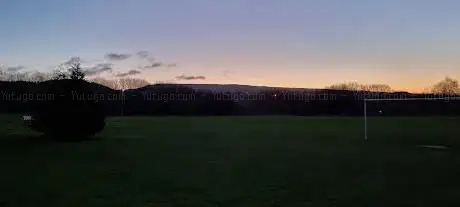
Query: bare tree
x=130, y=83
x=448, y=86
x=6, y=76
x=71, y=69
x=58, y=75
x=351, y=86
x=377, y=88
x=354, y=86
x=122, y=83
x=76, y=72
x=11, y=76
x=15, y=76
x=39, y=76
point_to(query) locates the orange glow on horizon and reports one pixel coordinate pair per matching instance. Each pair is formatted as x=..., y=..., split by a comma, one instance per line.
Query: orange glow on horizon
x=413, y=80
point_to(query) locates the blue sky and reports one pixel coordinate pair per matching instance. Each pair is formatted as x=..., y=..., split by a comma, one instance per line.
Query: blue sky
x=298, y=43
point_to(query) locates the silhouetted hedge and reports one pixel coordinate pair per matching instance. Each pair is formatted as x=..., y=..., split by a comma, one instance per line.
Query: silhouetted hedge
x=171, y=99
x=71, y=113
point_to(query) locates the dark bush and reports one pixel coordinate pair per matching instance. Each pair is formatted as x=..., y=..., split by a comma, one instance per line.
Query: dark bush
x=72, y=114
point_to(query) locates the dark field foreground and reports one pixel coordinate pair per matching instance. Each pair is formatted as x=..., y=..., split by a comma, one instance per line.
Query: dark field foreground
x=235, y=161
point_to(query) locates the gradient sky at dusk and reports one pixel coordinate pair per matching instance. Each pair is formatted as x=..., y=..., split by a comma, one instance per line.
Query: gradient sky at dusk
x=409, y=44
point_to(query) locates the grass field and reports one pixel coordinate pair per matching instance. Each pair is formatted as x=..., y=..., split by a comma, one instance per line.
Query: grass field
x=235, y=161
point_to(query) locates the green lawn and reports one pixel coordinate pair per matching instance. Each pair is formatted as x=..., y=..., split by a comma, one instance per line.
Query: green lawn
x=235, y=161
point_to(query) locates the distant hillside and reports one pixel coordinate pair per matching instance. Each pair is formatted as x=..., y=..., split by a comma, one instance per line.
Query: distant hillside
x=249, y=88
x=213, y=88
x=27, y=87
x=225, y=88
x=228, y=99
x=217, y=88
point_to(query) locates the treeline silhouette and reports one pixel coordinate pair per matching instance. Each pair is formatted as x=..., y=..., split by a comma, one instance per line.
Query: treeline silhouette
x=179, y=100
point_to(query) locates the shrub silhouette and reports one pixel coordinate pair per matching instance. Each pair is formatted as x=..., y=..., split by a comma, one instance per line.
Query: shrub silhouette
x=72, y=114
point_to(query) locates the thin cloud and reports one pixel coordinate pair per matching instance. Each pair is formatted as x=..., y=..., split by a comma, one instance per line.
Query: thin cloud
x=15, y=68
x=171, y=65
x=73, y=60
x=142, y=54
x=117, y=56
x=131, y=72
x=99, y=68
x=153, y=65
x=184, y=77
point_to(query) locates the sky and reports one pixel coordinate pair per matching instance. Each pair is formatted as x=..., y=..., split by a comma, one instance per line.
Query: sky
x=408, y=44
